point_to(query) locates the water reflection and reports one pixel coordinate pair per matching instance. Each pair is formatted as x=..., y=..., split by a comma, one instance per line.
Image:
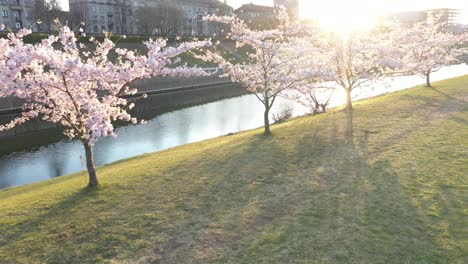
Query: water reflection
x=168, y=130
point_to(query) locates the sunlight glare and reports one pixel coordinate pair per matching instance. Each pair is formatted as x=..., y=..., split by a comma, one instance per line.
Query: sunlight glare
x=341, y=16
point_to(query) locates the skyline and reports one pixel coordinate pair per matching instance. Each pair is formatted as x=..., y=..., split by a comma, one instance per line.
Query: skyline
x=314, y=9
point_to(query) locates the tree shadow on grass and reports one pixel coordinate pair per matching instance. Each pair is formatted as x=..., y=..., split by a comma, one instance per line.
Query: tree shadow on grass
x=206, y=201
x=262, y=199
x=252, y=193
x=248, y=189
x=447, y=105
x=48, y=226
x=356, y=212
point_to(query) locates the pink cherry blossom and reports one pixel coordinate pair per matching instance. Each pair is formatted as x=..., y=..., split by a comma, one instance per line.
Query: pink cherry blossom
x=353, y=60
x=274, y=63
x=82, y=90
x=426, y=47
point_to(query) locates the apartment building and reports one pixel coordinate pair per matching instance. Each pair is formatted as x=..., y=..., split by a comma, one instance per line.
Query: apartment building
x=121, y=16
x=257, y=16
x=103, y=15
x=450, y=19
x=16, y=14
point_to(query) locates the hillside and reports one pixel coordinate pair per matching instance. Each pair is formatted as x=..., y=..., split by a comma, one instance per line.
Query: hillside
x=395, y=192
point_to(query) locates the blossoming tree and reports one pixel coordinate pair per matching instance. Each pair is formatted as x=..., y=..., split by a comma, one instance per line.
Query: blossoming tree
x=315, y=95
x=274, y=60
x=358, y=58
x=83, y=91
x=425, y=48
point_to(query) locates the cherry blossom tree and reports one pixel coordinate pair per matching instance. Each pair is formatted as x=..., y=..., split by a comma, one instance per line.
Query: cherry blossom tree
x=315, y=95
x=358, y=58
x=274, y=62
x=426, y=47
x=82, y=90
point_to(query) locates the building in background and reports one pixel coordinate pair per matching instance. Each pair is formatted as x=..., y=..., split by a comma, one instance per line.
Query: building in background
x=153, y=17
x=181, y=17
x=450, y=19
x=257, y=16
x=102, y=15
x=195, y=10
x=17, y=14
x=292, y=6
x=410, y=17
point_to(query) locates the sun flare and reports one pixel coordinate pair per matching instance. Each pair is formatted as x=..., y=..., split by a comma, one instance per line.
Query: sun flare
x=340, y=16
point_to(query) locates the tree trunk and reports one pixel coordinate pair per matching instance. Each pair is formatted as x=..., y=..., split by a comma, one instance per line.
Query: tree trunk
x=349, y=125
x=324, y=108
x=266, y=119
x=93, y=181
x=349, y=101
x=428, y=80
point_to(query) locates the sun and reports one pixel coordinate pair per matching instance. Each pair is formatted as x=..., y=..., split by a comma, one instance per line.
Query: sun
x=340, y=16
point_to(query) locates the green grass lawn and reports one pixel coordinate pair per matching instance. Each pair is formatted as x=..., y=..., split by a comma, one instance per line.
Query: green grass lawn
x=395, y=192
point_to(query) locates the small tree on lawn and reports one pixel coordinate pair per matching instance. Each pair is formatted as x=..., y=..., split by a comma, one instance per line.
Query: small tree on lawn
x=353, y=60
x=425, y=48
x=315, y=95
x=84, y=91
x=275, y=59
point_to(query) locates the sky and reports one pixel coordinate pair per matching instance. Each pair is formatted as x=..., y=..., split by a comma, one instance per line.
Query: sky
x=311, y=8
x=314, y=8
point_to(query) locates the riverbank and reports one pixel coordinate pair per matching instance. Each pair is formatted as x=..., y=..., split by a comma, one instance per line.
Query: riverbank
x=159, y=101
x=393, y=193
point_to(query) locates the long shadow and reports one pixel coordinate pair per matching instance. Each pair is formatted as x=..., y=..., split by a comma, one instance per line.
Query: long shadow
x=318, y=199
x=358, y=213
x=443, y=106
x=60, y=207
x=250, y=192
x=203, y=202
x=452, y=98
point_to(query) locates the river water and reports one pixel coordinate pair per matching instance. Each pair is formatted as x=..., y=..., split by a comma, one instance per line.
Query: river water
x=172, y=129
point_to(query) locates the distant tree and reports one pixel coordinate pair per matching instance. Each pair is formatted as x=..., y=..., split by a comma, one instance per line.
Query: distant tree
x=425, y=48
x=164, y=19
x=45, y=12
x=315, y=95
x=83, y=91
x=147, y=21
x=122, y=9
x=78, y=16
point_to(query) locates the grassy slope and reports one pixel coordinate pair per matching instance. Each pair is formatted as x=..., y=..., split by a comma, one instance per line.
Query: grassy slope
x=395, y=193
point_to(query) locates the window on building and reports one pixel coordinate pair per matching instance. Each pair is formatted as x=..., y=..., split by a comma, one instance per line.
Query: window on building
x=16, y=14
x=27, y=3
x=102, y=9
x=17, y=25
x=3, y=2
x=93, y=9
x=4, y=13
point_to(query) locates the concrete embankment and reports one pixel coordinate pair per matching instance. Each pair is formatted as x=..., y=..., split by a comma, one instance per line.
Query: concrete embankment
x=141, y=85
x=160, y=100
